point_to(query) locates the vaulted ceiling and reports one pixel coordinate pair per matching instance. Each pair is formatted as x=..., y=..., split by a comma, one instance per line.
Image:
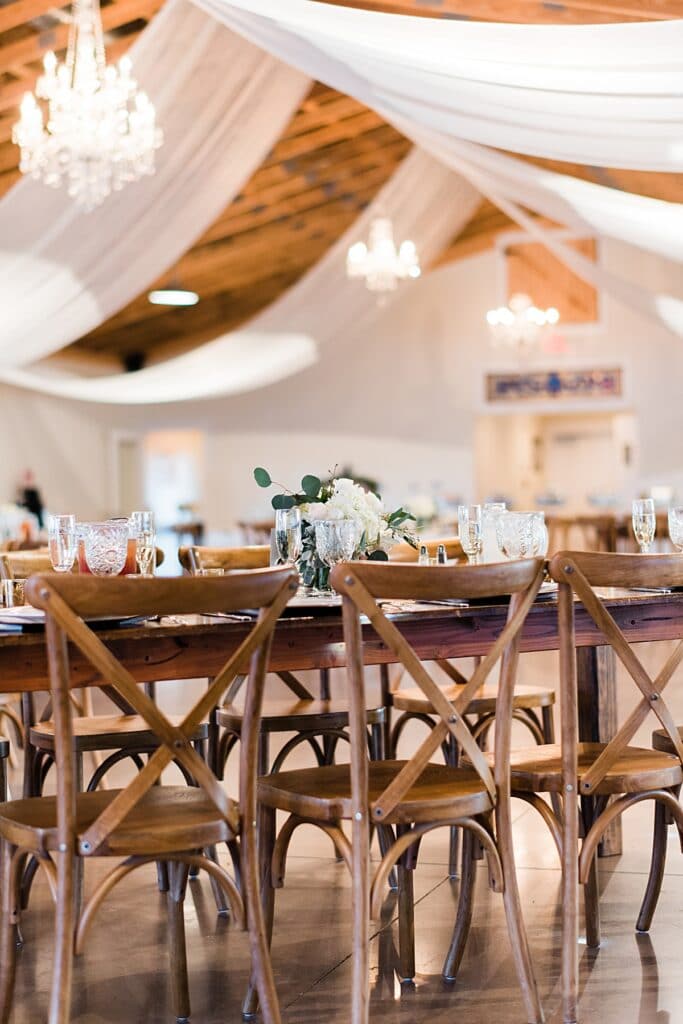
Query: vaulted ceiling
x=330, y=162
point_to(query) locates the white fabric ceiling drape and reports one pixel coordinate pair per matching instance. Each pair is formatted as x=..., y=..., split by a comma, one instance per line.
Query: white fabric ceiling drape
x=427, y=202
x=222, y=104
x=596, y=94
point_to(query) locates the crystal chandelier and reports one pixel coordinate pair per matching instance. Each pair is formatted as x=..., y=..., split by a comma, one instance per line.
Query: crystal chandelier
x=520, y=325
x=379, y=262
x=99, y=132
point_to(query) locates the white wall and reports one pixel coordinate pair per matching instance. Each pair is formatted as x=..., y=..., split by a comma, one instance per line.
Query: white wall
x=400, y=404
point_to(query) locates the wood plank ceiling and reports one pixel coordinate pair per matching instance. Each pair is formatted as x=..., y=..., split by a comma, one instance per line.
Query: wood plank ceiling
x=331, y=161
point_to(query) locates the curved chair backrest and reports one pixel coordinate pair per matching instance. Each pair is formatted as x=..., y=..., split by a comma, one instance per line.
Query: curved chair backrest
x=253, y=556
x=407, y=553
x=19, y=565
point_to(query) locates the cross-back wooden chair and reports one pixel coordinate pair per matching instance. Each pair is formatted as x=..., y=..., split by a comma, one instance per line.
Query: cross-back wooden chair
x=317, y=720
x=533, y=705
x=146, y=821
x=608, y=778
x=413, y=796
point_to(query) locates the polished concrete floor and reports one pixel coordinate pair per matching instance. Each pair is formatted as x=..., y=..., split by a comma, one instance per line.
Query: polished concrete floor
x=122, y=976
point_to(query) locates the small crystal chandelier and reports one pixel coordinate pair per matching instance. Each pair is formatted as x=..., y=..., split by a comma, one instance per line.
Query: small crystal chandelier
x=100, y=132
x=379, y=262
x=520, y=325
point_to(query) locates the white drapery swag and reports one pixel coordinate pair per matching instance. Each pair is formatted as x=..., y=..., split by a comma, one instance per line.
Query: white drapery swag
x=427, y=202
x=222, y=103
x=595, y=94
x=616, y=83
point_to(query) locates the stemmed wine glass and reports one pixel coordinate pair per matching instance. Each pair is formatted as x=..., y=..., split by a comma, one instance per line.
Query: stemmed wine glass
x=676, y=526
x=288, y=534
x=644, y=523
x=336, y=540
x=142, y=528
x=470, y=531
x=62, y=541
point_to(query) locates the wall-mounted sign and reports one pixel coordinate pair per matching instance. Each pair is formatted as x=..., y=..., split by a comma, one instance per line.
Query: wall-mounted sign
x=554, y=385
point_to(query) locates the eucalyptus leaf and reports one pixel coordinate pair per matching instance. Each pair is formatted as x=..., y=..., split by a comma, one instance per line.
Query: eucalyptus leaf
x=283, y=501
x=311, y=485
x=262, y=477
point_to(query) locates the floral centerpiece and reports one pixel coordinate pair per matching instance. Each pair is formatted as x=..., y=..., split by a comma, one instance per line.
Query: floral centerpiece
x=340, y=498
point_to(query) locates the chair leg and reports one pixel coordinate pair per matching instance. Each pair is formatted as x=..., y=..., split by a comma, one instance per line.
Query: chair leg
x=591, y=891
x=463, y=917
x=9, y=919
x=406, y=924
x=180, y=993
x=65, y=919
x=654, y=882
x=513, y=913
x=218, y=894
x=385, y=836
x=452, y=758
x=266, y=843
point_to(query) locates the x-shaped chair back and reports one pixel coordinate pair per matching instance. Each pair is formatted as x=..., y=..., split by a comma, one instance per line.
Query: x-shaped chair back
x=362, y=584
x=194, y=558
x=580, y=573
x=68, y=600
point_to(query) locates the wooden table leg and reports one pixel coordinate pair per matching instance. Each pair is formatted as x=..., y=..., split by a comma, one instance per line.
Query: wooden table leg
x=597, y=683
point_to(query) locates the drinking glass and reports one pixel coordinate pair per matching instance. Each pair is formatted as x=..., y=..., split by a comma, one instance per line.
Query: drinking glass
x=106, y=547
x=644, y=523
x=288, y=534
x=491, y=548
x=142, y=529
x=522, y=534
x=336, y=540
x=676, y=526
x=470, y=531
x=61, y=533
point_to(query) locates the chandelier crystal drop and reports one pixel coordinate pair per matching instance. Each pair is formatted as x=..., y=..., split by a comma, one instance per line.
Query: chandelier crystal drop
x=379, y=262
x=95, y=132
x=520, y=325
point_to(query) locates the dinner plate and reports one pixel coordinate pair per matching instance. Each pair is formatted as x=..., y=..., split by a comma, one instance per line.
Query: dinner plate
x=27, y=618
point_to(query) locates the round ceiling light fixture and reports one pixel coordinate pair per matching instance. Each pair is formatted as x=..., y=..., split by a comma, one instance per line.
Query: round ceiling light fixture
x=173, y=297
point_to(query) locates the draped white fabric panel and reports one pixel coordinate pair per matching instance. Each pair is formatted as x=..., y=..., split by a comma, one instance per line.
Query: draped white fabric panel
x=596, y=94
x=427, y=202
x=658, y=233
x=222, y=104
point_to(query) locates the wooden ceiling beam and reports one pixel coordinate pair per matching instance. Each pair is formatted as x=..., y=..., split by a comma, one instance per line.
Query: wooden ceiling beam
x=568, y=12
x=36, y=45
x=23, y=11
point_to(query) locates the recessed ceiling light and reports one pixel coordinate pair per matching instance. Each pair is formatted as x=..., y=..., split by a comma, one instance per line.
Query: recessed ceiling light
x=173, y=297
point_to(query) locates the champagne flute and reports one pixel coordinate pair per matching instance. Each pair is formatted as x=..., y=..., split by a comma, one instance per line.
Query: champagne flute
x=676, y=526
x=288, y=534
x=61, y=533
x=644, y=523
x=470, y=531
x=142, y=528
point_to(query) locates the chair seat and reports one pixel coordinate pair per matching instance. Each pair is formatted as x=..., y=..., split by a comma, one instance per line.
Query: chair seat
x=325, y=793
x=108, y=732
x=661, y=741
x=168, y=819
x=484, y=702
x=289, y=714
x=539, y=769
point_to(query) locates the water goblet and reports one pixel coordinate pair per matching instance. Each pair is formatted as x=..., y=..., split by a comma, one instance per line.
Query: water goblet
x=106, y=547
x=336, y=540
x=644, y=523
x=676, y=526
x=470, y=531
x=143, y=531
x=515, y=533
x=288, y=534
x=61, y=533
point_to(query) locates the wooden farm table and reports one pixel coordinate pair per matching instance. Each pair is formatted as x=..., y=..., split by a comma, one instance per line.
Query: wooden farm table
x=198, y=646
